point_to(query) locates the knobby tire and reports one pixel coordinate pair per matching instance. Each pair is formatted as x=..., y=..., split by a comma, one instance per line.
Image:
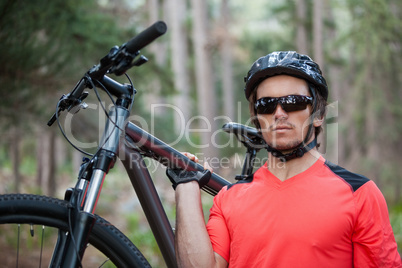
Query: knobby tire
x=52, y=212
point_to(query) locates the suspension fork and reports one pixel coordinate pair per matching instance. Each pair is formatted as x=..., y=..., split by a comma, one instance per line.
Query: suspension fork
x=70, y=247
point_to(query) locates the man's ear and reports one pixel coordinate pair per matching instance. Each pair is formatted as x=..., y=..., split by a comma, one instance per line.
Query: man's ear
x=318, y=121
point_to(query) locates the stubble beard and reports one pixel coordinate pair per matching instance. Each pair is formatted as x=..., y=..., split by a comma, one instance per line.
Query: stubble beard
x=285, y=147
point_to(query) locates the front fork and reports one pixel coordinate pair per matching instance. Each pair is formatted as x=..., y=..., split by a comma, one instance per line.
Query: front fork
x=71, y=245
x=80, y=225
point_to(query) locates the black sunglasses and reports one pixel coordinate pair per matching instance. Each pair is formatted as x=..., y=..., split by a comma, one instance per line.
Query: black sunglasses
x=291, y=103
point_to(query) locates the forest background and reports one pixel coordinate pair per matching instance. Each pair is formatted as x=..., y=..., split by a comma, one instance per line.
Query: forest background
x=194, y=81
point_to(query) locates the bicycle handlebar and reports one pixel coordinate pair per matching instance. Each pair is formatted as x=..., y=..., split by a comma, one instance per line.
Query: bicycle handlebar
x=117, y=61
x=146, y=37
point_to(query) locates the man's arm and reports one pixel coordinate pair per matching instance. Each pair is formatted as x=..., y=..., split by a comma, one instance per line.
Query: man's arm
x=192, y=243
x=373, y=239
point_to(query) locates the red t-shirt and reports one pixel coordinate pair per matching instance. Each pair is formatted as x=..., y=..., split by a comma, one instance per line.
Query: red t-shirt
x=325, y=216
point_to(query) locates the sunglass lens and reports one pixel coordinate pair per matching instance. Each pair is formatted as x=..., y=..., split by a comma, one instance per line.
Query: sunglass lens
x=293, y=107
x=268, y=108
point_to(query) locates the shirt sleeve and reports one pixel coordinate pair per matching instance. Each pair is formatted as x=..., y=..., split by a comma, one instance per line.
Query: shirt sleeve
x=373, y=239
x=217, y=228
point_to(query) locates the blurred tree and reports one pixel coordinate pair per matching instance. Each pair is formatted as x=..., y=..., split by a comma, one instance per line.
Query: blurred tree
x=206, y=94
x=337, y=85
x=318, y=32
x=155, y=12
x=42, y=45
x=301, y=31
x=375, y=47
x=180, y=61
x=226, y=44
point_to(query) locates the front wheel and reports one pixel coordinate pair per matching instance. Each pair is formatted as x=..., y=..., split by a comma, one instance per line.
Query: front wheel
x=29, y=225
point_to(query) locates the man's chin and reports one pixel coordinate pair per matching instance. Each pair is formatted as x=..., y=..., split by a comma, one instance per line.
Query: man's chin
x=285, y=147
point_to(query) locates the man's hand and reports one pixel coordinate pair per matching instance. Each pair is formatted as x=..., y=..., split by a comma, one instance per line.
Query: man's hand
x=178, y=176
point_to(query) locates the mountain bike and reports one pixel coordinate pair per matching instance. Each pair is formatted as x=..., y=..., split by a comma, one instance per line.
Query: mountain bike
x=74, y=224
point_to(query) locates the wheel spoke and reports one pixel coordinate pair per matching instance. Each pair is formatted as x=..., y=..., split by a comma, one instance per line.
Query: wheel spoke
x=18, y=244
x=41, y=246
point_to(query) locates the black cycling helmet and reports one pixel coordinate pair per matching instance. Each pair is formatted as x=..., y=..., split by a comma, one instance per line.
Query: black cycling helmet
x=289, y=63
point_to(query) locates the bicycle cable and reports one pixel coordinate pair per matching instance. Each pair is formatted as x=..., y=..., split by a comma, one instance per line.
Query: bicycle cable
x=89, y=80
x=64, y=134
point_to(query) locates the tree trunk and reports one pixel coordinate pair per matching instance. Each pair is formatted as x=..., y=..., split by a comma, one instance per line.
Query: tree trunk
x=51, y=164
x=317, y=46
x=40, y=153
x=372, y=129
x=337, y=151
x=177, y=11
x=301, y=31
x=76, y=161
x=226, y=51
x=352, y=145
x=205, y=86
x=159, y=49
x=47, y=161
x=61, y=149
x=318, y=9
x=15, y=157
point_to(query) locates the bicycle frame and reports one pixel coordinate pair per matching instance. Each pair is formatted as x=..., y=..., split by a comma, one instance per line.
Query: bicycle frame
x=137, y=142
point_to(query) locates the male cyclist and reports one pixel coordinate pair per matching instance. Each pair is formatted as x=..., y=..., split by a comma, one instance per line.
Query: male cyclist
x=298, y=210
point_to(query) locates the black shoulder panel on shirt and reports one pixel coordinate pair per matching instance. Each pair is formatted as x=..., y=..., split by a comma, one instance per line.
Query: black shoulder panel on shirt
x=353, y=179
x=248, y=179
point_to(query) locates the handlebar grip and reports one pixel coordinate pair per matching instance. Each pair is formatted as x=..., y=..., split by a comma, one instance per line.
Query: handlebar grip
x=147, y=36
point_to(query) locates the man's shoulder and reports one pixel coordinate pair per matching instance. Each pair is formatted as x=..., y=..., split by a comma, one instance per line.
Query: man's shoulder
x=354, y=180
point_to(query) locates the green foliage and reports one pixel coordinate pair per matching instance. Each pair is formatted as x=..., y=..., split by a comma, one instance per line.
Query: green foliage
x=43, y=44
x=395, y=216
x=144, y=240
x=376, y=58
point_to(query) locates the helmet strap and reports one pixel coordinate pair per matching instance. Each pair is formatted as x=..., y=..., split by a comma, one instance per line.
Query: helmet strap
x=298, y=152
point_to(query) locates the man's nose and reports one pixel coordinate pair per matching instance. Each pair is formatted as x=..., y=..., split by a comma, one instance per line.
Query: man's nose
x=280, y=112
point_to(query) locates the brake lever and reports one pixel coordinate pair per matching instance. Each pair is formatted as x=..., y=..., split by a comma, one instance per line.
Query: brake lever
x=118, y=61
x=71, y=103
x=78, y=104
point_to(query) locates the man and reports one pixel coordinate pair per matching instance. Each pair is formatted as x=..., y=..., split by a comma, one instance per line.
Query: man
x=298, y=210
